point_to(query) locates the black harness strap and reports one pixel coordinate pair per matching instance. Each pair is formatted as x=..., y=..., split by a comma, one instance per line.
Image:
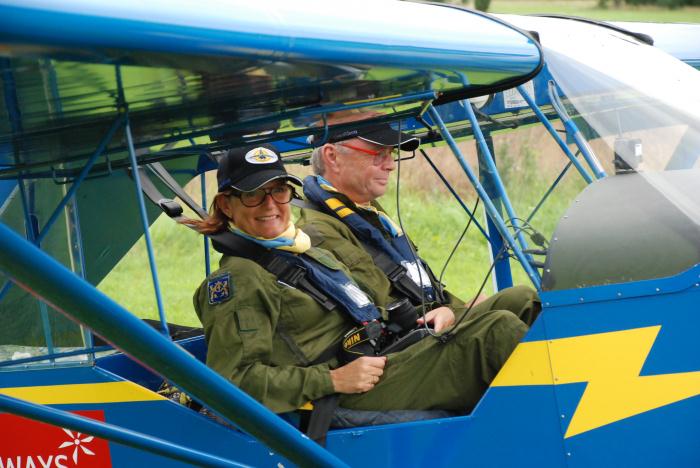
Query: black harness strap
x=397, y=274
x=285, y=271
x=317, y=424
x=228, y=243
x=159, y=170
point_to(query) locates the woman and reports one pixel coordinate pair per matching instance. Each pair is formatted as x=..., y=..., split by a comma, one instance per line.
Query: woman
x=270, y=339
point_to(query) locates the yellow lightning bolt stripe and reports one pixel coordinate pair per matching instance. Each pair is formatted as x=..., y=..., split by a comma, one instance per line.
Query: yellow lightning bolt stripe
x=105, y=392
x=610, y=363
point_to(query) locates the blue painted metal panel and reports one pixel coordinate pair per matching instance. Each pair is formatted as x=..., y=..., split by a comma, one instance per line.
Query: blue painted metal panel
x=278, y=31
x=51, y=281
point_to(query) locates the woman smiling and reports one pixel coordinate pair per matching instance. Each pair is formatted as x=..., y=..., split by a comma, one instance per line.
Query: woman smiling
x=288, y=323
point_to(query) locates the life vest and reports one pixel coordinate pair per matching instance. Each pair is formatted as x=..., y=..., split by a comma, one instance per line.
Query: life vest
x=391, y=253
x=329, y=286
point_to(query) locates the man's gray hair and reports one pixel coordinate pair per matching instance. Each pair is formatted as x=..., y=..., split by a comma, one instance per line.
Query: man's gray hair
x=317, y=164
x=317, y=161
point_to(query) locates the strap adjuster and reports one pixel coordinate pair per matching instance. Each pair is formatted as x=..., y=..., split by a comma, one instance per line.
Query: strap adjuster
x=398, y=272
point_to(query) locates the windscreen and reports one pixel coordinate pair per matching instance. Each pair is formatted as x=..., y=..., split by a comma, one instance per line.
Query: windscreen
x=639, y=110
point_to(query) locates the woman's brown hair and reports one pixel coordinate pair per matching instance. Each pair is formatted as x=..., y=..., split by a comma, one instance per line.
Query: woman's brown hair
x=217, y=221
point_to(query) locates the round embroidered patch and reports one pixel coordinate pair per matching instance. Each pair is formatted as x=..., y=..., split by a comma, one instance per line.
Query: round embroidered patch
x=260, y=156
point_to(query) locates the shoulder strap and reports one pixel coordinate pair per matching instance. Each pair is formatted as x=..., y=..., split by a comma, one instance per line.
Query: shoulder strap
x=285, y=271
x=229, y=244
x=395, y=272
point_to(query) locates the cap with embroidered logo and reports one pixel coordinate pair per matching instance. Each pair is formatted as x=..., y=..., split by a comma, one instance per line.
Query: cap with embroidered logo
x=246, y=169
x=381, y=134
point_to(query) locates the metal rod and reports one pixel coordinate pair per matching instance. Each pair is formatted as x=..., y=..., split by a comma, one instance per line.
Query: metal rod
x=422, y=96
x=46, y=278
x=111, y=432
x=573, y=130
x=207, y=259
x=146, y=231
x=81, y=177
x=488, y=204
x=78, y=352
x=454, y=194
x=495, y=178
x=30, y=230
x=549, y=191
x=552, y=131
x=503, y=276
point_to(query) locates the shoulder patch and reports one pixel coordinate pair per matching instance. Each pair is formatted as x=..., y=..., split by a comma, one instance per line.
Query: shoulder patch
x=220, y=289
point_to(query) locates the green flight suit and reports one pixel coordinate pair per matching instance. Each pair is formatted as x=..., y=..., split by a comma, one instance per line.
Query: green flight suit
x=265, y=334
x=330, y=233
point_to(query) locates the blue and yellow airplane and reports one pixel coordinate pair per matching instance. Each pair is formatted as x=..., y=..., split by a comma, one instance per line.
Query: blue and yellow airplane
x=97, y=95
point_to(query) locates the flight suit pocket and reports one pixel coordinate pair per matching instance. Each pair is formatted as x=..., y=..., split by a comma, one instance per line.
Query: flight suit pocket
x=350, y=255
x=253, y=333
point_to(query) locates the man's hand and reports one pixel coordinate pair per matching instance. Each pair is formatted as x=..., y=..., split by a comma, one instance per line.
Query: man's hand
x=480, y=298
x=359, y=376
x=439, y=318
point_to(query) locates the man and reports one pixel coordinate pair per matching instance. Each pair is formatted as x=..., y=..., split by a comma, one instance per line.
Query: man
x=352, y=170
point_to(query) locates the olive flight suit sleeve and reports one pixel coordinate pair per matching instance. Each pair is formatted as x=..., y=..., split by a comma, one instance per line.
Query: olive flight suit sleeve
x=241, y=334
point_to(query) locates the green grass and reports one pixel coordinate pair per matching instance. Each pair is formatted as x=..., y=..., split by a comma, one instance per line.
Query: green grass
x=589, y=9
x=180, y=259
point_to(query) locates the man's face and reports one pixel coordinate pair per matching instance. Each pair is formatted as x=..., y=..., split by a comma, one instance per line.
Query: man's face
x=361, y=169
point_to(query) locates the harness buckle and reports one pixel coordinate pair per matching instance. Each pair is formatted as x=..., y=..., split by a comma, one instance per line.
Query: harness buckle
x=398, y=272
x=297, y=273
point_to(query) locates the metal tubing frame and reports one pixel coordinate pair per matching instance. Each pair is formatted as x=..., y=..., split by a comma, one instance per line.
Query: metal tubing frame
x=113, y=433
x=81, y=177
x=30, y=230
x=421, y=96
x=146, y=231
x=493, y=174
x=29, y=360
x=488, y=204
x=207, y=259
x=464, y=206
x=503, y=276
x=552, y=131
x=66, y=198
x=49, y=280
x=123, y=107
x=575, y=133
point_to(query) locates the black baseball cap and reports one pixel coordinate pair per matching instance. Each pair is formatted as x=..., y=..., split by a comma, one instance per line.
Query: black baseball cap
x=249, y=168
x=380, y=134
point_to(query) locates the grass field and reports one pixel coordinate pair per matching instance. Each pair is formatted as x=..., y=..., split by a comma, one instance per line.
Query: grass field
x=590, y=9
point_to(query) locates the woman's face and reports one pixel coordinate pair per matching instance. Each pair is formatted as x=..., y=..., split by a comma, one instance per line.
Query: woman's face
x=268, y=220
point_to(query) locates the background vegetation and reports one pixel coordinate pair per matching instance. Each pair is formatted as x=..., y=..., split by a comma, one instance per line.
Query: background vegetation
x=666, y=11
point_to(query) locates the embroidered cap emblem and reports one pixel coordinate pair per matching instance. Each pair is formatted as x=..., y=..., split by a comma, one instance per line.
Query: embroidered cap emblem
x=261, y=156
x=219, y=289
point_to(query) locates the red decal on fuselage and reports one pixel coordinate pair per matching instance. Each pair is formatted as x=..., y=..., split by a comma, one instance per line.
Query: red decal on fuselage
x=25, y=443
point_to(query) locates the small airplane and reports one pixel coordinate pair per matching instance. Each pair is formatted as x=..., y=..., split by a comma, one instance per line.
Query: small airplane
x=101, y=98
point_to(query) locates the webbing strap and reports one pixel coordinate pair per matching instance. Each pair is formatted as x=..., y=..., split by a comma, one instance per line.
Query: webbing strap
x=285, y=271
x=321, y=416
x=230, y=244
x=396, y=273
x=159, y=170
